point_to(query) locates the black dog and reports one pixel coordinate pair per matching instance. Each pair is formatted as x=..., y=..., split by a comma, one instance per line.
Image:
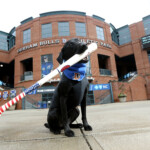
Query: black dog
x=70, y=93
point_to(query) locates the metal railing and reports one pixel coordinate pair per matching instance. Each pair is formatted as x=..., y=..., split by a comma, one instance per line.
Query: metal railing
x=127, y=76
x=27, y=76
x=105, y=72
x=30, y=103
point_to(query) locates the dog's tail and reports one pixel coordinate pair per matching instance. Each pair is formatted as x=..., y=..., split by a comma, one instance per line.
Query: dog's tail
x=46, y=125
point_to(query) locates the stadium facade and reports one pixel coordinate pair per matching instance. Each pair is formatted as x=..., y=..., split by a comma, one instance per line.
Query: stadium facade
x=28, y=52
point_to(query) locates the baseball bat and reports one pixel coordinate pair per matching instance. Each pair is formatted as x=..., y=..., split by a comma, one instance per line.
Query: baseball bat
x=73, y=60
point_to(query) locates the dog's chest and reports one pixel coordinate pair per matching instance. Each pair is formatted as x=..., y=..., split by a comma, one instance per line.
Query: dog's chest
x=74, y=97
x=77, y=93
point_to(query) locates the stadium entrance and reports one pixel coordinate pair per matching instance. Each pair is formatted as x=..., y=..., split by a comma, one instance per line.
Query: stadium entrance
x=126, y=67
x=7, y=74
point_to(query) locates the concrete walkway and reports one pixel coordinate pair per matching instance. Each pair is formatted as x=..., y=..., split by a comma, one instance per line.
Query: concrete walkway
x=117, y=126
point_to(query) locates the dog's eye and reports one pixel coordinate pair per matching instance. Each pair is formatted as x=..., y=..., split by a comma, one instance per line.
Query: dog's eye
x=70, y=44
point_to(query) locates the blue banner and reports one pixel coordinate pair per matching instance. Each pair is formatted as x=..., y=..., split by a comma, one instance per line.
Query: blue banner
x=5, y=95
x=94, y=87
x=46, y=68
x=13, y=93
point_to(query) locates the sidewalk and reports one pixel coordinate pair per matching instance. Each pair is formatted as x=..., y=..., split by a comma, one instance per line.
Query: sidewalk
x=117, y=126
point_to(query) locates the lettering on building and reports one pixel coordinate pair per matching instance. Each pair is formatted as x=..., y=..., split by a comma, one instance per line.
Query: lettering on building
x=105, y=45
x=27, y=47
x=49, y=42
x=57, y=41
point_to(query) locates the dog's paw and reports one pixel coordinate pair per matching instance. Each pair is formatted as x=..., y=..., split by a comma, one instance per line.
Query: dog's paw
x=69, y=133
x=57, y=131
x=87, y=128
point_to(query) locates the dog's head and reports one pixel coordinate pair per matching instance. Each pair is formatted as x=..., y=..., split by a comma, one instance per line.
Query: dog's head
x=72, y=47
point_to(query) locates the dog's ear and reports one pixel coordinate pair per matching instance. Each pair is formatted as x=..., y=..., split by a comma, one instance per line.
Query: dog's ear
x=60, y=58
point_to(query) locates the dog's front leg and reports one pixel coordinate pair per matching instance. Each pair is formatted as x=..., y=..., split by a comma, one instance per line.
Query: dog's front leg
x=65, y=119
x=86, y=126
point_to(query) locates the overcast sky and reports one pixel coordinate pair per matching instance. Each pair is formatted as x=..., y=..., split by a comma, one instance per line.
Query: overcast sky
x=117, y=12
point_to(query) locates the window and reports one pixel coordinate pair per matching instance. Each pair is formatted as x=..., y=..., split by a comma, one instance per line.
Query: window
x=88, y=67
x=100, y=33
x=124, y=35
x=47, y=97
x=148, y=53
x=3, y=42
x=149, y=57
x=27, y=36
x=104, y=64
x=46, y=64
x=80, y=29
x=146, y=22
x=46, y=30
x=90, y=98
x=63, y=29
x=114, y=34
x=11, y=39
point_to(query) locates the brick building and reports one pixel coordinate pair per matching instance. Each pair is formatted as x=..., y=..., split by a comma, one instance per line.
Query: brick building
x=30, y=50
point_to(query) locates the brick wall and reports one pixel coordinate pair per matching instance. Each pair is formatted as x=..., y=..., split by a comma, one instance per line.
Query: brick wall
x=147, y=78
x=135, y=90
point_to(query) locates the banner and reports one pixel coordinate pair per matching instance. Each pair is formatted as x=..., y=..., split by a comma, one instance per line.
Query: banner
x=45, y=90
x=13, y=93
x=42, y=90
x=5, y=95
x=94, y=87
x=46, y=65
x=46, y=68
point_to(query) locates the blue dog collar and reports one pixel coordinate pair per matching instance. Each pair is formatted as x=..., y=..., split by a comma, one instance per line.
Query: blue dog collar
x=76, y=72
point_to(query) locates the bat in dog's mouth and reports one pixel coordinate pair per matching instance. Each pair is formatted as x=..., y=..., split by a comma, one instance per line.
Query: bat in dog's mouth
x=84, y=60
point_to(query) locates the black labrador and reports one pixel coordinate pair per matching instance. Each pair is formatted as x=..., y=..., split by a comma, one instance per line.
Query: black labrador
x=70, y=93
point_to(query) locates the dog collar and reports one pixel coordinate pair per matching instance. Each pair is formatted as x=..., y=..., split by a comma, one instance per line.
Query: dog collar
x=76, y=72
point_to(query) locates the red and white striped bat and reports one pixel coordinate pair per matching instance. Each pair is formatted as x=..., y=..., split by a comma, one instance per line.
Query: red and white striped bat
x=73, y=60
